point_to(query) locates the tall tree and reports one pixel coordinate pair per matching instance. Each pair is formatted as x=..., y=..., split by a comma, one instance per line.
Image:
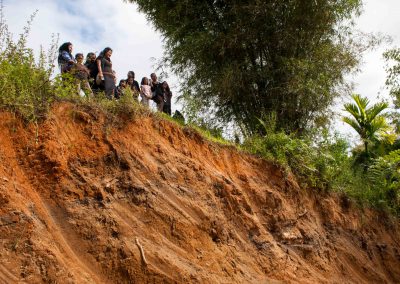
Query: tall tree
x=242, y=60
x=368, y=121
x=392, y=58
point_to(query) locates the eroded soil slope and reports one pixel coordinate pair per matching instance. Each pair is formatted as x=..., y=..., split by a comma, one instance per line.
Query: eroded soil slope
x=76, y=194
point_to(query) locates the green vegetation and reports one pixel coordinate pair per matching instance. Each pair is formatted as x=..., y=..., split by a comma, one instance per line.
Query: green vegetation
x=326, y=165
x=392, y=58
x=322, y=164
x=384, y=177
x=25, y=85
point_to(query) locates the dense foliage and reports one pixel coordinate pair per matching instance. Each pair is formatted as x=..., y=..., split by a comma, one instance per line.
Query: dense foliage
x=322, y=164
x=384, y=176
x=326, y=165
x=242, y=60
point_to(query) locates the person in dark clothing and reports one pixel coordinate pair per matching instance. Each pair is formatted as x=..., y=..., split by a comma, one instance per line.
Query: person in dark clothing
x=135, y=84
x=106, y=74
x=167, y=95
x=130, y=83
x=65, y=58
x=92, y=66
x=157, y=93
x=154, y=84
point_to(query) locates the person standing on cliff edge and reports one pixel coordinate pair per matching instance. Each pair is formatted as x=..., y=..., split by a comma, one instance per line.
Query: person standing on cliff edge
x=106, y=74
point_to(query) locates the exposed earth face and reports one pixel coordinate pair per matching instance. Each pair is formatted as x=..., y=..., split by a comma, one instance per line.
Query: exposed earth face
x=87, y=200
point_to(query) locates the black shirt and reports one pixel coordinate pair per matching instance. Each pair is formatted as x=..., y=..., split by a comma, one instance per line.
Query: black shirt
x=135, y=85
x=92, y=66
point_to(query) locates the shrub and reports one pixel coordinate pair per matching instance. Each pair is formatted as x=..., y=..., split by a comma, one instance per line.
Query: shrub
x=384, y=178
x=25, y=84
x=127, y=106
x=324, y=165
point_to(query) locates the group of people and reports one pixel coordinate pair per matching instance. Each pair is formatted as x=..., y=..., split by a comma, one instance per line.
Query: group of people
x=97, y=75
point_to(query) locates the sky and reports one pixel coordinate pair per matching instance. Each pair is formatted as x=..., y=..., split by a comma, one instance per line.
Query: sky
x=92, y=25
x=379, y=16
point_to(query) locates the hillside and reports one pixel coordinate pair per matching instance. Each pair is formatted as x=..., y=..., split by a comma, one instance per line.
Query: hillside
x=77, y=192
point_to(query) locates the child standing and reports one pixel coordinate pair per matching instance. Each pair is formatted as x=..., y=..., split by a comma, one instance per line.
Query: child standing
x=81, y=74
x=145, y=91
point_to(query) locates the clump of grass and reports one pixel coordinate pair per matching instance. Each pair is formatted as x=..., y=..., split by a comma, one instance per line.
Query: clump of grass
x=117, y=113
x=210, y=136
x=127, y=106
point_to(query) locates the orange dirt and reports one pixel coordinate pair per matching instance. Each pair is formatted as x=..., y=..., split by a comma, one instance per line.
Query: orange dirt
x=74, y=198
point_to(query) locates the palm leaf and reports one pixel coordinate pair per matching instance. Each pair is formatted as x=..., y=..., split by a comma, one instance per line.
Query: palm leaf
x=379, y=130
x=362, y=104
x=353, y=110
x=375, y=110
x=354, y=124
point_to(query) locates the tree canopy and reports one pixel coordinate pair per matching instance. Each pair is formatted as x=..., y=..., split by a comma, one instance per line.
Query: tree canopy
x=242, y=60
